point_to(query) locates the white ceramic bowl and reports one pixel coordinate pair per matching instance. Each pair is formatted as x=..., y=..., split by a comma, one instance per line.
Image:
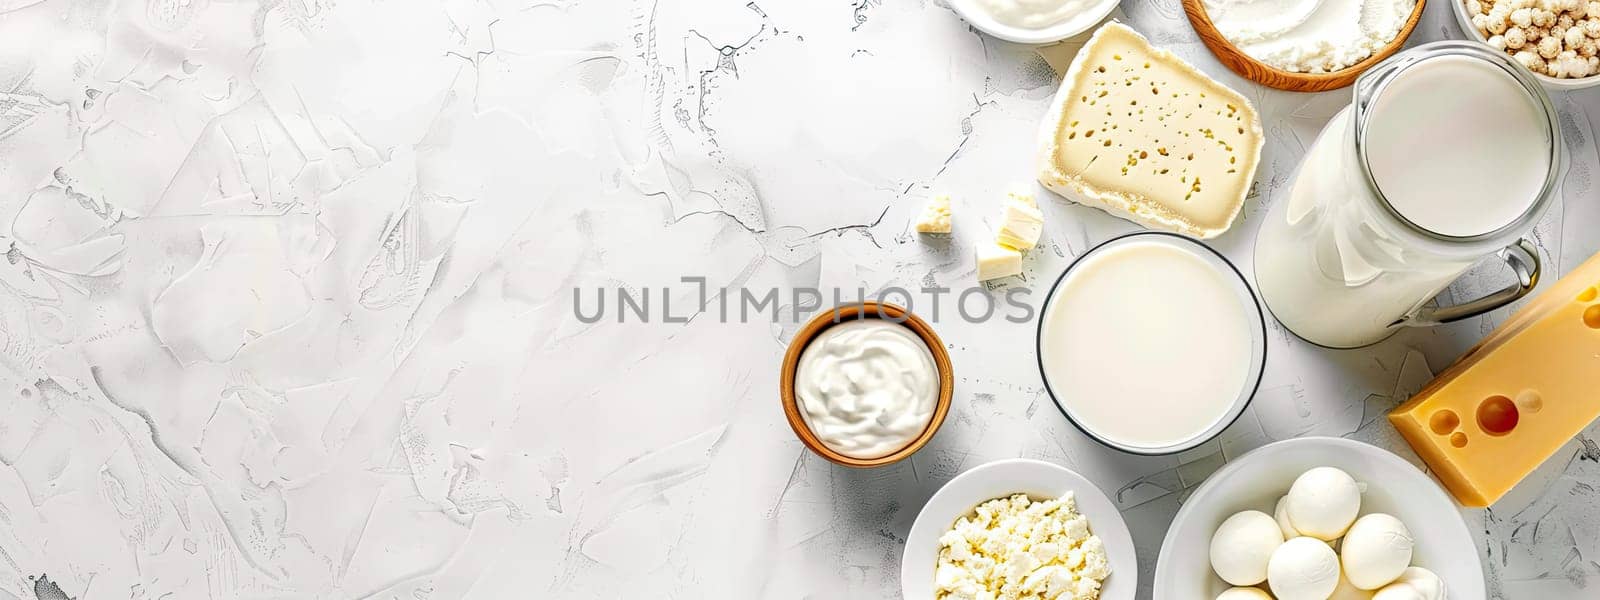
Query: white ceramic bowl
x=1256, y=481
x=1464, y=20
x=1079, y=23
x=1040, y=480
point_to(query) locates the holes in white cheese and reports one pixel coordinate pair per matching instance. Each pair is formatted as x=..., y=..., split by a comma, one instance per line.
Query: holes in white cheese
x=1151, y=137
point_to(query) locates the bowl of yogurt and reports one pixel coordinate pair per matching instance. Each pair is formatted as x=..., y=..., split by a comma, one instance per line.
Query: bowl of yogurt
x=866, y=385
x=1033, y=21
x=1151, y=343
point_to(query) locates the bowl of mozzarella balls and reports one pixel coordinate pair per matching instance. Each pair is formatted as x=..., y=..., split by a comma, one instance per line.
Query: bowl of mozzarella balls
x=1559, y=40
x=1319, y=519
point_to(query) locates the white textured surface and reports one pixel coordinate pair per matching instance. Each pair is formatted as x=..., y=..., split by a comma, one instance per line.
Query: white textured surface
x=287, y=300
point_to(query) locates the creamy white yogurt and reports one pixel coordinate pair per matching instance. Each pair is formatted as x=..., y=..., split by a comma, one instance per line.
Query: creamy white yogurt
x=1309, y=36
x=867, y=388
x=1033, y=14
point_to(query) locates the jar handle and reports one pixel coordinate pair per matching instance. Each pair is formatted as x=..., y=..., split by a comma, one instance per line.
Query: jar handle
x=1522, y=257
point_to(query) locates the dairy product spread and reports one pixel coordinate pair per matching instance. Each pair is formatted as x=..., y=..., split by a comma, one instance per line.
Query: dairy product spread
x=867, y=388
x=1021, y=548
x=1145, y=136
x=1309, y=36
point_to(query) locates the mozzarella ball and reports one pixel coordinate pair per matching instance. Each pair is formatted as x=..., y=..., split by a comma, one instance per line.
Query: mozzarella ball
x=1280, y=513
x=1346, y=591
x=1376, y=550
x=1323, y=502
x=1416, y=583
x=1303, y=569
x=1242, y=546
x=1244, y=593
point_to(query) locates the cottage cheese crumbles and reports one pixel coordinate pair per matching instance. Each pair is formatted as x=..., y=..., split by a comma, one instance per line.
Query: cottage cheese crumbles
x=1020, y=548
x=1309, y=36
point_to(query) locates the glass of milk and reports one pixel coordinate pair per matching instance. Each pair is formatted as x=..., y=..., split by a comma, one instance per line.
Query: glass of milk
x=1450, y=153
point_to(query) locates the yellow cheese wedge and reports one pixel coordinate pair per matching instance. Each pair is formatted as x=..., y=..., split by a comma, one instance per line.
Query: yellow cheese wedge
x=1552, y=297
x=1139, y=133
x=1506, y=407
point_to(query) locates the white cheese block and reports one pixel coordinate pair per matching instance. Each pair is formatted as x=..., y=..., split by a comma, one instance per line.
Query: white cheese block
x=935, y=215
x=1139, y=133
x=1021, y=223
x=996, y=261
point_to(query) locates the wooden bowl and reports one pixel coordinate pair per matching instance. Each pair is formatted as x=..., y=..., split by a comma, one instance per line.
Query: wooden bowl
x=1273, y=77
x=852, y=312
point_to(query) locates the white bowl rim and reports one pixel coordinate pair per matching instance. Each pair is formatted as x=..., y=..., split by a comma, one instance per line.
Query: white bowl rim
x=1105, y=522
x=1463, y=22
x=1435, y=495
x=1074, y=25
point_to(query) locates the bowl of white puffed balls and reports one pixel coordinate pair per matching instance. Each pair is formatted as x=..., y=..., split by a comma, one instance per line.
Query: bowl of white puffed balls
x=1559, y=40
x=1319, y=519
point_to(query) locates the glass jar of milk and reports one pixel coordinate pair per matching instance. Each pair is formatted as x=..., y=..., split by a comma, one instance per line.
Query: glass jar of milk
x=1450, y=153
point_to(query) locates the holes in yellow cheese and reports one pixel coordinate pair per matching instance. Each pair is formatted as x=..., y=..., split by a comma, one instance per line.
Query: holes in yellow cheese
x=1591, y=316
x=1458, y=439
x=1529, y=401
x=1588, y=294
x=1497, y=415
x=1444, y=421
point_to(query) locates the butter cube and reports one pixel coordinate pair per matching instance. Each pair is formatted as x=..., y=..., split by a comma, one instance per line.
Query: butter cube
x=996, y=261
x=935, y=216
x=1021, y=223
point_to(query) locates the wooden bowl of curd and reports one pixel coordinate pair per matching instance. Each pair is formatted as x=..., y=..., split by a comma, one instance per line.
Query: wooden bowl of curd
x=1260, y=72
x=866, y=385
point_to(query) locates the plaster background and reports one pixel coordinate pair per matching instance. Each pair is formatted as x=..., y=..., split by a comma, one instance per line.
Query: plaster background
x=286, y=310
